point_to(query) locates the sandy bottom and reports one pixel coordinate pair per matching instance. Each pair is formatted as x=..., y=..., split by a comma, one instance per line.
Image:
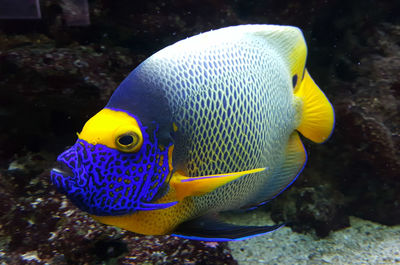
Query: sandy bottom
x=364, y=242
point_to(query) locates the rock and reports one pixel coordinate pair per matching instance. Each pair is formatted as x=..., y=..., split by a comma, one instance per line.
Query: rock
x=48, y=92
x=317, y=209
x=368, y=126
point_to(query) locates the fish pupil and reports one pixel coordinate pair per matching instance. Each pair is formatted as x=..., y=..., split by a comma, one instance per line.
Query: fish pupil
x=294, y=80
x=126, y=140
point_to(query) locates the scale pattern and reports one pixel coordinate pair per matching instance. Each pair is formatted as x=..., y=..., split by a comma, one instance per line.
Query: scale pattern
x=233, y=105
x=229, y=94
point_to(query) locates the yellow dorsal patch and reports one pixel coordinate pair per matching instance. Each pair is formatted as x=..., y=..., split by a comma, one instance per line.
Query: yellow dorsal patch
x=290, y=44
x=185, y=186
x=297, y=59
x=317, y=115
x=107, y=125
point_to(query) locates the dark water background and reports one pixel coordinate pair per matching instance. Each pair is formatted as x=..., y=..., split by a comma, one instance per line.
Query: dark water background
x=57, y=71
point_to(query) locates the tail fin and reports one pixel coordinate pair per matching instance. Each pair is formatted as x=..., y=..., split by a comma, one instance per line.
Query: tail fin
x=317, y=118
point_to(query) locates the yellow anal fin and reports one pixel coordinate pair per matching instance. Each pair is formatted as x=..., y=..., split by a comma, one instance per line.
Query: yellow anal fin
x=185, y=186
x=317, y=118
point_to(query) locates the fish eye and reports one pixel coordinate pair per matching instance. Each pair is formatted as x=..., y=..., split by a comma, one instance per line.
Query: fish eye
x=127, y=142
x=294, y=81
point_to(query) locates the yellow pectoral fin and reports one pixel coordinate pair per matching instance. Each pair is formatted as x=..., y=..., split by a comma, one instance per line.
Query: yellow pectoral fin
x=185, y=186
x=317, y=118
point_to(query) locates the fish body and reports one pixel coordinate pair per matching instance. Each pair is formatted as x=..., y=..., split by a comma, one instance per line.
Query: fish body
x=205, y=125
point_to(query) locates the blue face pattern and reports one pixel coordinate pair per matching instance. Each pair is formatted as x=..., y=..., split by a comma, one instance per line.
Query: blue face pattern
x=104, y=181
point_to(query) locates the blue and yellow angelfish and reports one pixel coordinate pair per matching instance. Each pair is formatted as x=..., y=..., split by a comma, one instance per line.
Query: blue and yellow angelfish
x=205, y=125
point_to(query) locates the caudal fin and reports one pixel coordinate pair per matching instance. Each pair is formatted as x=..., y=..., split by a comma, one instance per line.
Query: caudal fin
x=317, y=118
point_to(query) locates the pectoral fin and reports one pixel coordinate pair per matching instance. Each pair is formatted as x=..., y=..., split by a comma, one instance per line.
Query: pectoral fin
x=185, y=186
x=154, y=206
x=211, y=229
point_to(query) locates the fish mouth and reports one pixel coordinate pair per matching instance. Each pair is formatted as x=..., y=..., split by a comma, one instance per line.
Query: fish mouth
x=62, y=169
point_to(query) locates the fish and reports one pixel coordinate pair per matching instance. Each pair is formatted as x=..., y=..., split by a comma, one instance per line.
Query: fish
x=209, y=124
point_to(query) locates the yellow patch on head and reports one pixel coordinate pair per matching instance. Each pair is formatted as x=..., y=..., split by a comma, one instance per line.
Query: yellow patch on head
x=114, y=129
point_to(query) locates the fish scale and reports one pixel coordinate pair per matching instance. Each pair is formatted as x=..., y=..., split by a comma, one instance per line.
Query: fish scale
x=237, y=129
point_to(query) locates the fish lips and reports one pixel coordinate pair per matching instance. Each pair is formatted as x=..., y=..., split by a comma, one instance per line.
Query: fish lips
x=62, y=175
x=66, y=176
x=61, y=169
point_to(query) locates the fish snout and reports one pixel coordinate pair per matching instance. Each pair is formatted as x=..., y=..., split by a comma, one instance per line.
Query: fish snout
x=63, y=173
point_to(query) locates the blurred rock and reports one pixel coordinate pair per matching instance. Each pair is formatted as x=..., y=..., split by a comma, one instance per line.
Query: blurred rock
x=368, y=126
x=317, y=209
x=48, y=93
x=76, y=12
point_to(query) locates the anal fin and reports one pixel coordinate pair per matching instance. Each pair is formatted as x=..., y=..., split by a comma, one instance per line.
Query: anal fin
x=210, y=229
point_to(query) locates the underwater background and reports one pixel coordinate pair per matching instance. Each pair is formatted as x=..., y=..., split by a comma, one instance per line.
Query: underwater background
x=60, y=63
